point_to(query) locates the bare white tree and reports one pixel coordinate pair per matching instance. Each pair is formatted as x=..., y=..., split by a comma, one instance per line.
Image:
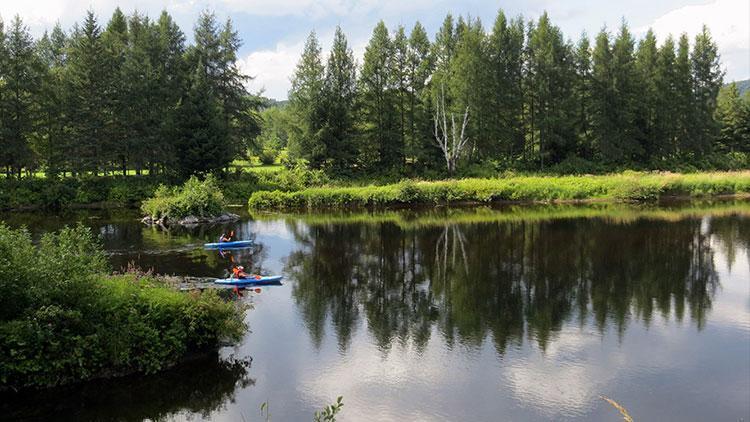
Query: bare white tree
x=450, y=141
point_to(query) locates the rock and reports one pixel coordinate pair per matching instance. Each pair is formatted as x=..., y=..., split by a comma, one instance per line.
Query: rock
x=191, y=220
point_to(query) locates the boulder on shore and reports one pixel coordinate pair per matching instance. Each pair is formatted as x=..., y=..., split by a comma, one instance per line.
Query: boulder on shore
x=190, y=220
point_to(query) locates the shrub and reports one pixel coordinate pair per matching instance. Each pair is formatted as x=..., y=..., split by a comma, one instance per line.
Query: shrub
x=195, y=197
x=65, y=320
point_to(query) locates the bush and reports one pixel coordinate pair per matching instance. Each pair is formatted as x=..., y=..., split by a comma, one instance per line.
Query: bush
x=65, y=320
x=195, y=197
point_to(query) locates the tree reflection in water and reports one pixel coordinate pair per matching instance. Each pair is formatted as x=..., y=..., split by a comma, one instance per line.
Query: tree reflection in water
x=200, y=386
x=509, y=281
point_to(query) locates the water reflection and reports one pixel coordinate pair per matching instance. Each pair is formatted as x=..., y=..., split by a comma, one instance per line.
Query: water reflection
x=201, y=387
x=507, y=281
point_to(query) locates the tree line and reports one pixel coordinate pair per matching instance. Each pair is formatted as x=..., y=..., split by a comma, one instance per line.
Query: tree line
x=131, y=95
x=533, y=99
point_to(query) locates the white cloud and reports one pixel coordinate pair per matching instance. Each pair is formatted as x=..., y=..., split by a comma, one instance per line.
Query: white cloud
x=729, y=22
x=274, y=68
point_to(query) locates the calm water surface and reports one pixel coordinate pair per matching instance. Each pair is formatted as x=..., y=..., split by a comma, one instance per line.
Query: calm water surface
x=525, y=313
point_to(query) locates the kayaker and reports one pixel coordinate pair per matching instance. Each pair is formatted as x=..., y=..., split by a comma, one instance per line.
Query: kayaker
x=224, y=238
x=239, y=272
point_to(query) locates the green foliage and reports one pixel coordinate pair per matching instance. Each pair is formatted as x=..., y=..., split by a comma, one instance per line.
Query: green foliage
x=61, y=193
x=328, y=414
x=195, y=197
x=624, y=186
x=62, y=319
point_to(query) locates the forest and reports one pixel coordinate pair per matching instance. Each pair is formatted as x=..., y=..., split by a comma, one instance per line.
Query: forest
x=129, y=95
x=529, y=99
x=134, y=96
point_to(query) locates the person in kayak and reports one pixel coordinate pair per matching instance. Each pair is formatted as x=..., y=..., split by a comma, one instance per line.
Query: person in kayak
x=224, y=238
x=239, y=272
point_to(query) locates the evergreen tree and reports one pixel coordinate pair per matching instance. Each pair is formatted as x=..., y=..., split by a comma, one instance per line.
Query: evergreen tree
x=305, y=103
x=339, y=91
x=117, y=142
x=420, y=65
x=21, y=82
x=582, y=93
x=53, y=141
x=624, y=146
x=379, y=130
x=552, y=75
x=171, y=79
x=707, y=80
x=505, y=56
x=87, y=107
x=200, y=129
x=399, y=69
x=646, y=114
x=733, y=117
x=467, y=78
x=667, y=112
x=684, y=112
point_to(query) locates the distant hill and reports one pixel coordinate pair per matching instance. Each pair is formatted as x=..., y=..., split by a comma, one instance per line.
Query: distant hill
x=270, y=102
x=742, y=86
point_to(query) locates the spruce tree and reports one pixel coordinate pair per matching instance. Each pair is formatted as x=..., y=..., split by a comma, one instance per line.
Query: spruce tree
x=377, y=106
x=733, y=118
x=707, y=80
x=21, y=82
x=201, y=131
x=582, y=93
x=87, y=107
x=684, y=114
x=117, y=142
x=339, y=91
x=505, y=56
x=648, y=94
x=420, y=67
x=53, y=141
x=667, y=110
x=306, y=107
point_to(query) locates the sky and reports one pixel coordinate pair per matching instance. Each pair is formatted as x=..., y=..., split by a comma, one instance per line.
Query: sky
x=274, y=31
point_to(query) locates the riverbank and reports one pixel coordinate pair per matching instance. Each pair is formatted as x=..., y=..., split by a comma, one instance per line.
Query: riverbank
x=627, y=186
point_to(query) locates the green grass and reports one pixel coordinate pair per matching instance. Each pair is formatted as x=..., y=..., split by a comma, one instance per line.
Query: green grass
x=627, y=186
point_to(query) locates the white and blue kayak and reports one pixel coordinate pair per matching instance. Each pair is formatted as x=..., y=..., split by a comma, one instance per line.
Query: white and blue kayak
x=229, y=245
x=251, y=281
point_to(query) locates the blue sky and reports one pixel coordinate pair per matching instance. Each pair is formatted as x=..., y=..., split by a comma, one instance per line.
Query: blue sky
x=273, y=31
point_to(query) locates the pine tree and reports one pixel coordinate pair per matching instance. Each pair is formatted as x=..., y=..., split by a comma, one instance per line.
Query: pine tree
x=624, y=145
x=339, y=91
x=505, y=56
x=170, y=83
x=200, y=129
x=467, y=77
x=376, y=104
x=552, y=76
x=53, y=142
x=646, y=114
x=305, y=103
x=117, y=142
x=684, y=100
x=582, y=93
x=399, y=69
x=21, y=82
x=87, y=107
x=733, y=117
x=707, y=80
x=420, y=67
x=667, y=112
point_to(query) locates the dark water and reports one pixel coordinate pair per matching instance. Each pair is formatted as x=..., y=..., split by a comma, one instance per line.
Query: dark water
x=525, y=313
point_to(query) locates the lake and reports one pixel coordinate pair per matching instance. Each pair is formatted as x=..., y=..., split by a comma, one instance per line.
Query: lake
x=480, y=314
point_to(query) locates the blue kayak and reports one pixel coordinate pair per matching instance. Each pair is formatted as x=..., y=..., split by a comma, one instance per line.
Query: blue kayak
x=229, y=245
x=251, y=281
